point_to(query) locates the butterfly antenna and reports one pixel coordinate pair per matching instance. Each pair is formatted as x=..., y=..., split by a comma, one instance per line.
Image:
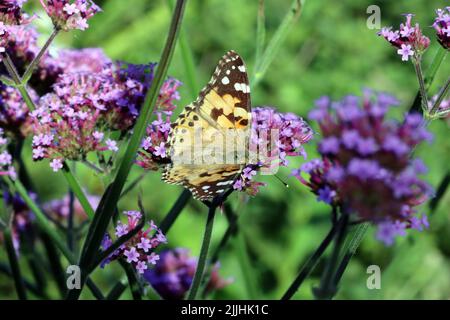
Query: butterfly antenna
x=279, y=179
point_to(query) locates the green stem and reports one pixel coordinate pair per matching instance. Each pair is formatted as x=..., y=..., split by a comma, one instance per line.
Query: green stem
x=175, y=211
x=203, y=254
x=423, y=91
x=327, y=287
x=132, y=280
x=441, y=96
x=245, y=266
x=32, y=66
x=310, y=263
x=116, y=291
x=14, y=263
x=18, y=82
x=76, y=189
x=109, y=200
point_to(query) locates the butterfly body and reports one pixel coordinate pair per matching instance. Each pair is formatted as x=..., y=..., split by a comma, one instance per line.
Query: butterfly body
x=202, y=157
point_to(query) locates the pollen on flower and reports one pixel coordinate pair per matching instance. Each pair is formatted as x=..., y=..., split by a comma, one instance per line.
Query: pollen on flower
x=139, y=251
x=378, y=183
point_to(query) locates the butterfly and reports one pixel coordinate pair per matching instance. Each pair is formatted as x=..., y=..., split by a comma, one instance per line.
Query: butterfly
x=223, y=106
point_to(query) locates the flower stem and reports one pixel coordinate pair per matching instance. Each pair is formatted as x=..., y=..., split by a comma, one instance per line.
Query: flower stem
x=310, y=264
x=245, y=266
x=423, y=92
x=327, y=287
x=18, y=82
x=442, y=94
x=203, y=254
x=440, y=191
x=175, y=211
x=76, y=189
x=109, y=200
x=32, y=66
x=14, y=263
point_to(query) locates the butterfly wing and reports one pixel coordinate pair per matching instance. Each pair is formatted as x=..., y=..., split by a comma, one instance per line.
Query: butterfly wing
x=224, y=104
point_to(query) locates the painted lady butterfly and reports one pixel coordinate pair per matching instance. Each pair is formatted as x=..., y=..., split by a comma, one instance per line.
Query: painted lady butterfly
x=222, y=106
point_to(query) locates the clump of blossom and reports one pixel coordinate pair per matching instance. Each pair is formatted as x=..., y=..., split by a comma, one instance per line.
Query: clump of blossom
x=68, y=15
x=78, y=117
x=274, y=137
x=92, y=60
x=11, y=12
x=173, y=274
x=366, y=166
x=442, y=26
x=14, y=117
x=6, y=160
x=409, y=39
x=139, y=251
x=59, y=209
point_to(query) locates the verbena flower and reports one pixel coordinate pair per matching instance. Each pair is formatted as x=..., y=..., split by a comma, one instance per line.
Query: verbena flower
x=11, y=12
x=442, y=26
x=443, y=109
x=366, y=166
x=59, y=209
x=67, y=15
x=14, y=118
x=6, y=160
x=90, y=60
x=79, y=116
x=139, y=251
x=173, y=274
x=408, y=39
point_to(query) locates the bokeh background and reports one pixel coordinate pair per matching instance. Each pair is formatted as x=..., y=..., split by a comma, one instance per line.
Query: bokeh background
x=329, y=51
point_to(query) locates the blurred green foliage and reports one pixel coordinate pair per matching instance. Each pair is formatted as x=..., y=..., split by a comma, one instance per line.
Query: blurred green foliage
x=330, y=51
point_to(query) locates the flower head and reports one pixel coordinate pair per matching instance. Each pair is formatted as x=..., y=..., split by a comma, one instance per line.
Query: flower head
x=11, y=12
x=442, y=26
x=379, y=183
x=139, y=250
x=59, y=209
x=174, y=272
x=68, y=15
x=409, y=39
x=6, y=160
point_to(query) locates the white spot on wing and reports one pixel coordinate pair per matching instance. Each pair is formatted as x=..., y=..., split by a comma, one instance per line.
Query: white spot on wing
x=225, y=80
x=241, y=68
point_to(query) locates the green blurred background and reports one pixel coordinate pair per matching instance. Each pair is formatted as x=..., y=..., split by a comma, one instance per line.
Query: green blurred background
x=329, y=51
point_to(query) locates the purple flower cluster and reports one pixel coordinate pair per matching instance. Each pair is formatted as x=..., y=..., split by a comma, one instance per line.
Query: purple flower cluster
x=82, y=111
x=139, y=250
x=59, y=209
x=274, y=137
x=11, y=12
x=6, y=161
x=14, y=112
x=67, y=15
x=366, y=166
x=409, y=39
x=442, y=26
x=173, y=274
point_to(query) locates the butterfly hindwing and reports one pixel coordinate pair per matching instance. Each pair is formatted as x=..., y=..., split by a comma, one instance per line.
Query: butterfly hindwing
x=224, y=104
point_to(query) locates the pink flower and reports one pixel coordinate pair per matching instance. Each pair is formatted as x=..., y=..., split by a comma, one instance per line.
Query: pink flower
x=132, y=255
x=405, y=52
x=112, y=145
x=56, y=165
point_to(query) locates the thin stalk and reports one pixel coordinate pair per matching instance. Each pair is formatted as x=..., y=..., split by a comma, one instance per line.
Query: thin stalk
x=56, y=268
x=32, y=66
x=109, y=200
x=132, y=184
x=14, y=264
x=203, y=254
x=76, y=188
x=277, y=40
x=133, y=281
x=18, y=82
x=245, y=266
x=419, y=73
x=28, y=285
x=429, y=77
x=351, y=247
x=310, y=263
x=442, y=94
x=327, y=287
x=175, y=211
x=115, y=293
x=260, y=33
x=440, y=191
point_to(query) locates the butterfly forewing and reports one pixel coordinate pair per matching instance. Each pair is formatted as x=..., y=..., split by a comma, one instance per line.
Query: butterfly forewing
x=223, y=106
